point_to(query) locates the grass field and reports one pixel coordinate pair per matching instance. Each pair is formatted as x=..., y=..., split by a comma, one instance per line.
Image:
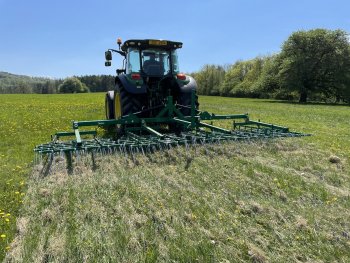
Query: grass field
x=281, y=201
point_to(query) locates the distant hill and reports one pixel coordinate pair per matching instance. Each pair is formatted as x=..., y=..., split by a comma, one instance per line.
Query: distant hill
x=7, y=75
x=13, y=83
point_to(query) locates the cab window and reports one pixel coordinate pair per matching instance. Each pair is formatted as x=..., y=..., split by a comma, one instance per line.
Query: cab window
x=133, y=64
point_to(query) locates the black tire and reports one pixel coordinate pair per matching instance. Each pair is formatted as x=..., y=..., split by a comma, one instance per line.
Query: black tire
x=126, y=103
x=185, y=100
x=130, y=103
x=109, y=105
x=120, y=98
x=119, y=103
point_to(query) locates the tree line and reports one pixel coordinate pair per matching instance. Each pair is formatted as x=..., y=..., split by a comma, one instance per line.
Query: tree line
x=11, y=83
x=313, y=65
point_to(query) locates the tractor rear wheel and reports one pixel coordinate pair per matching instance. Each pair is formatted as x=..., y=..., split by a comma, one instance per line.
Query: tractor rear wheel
x=109, y=105
x=185, y=99
x=125, y=103
x=119, y=102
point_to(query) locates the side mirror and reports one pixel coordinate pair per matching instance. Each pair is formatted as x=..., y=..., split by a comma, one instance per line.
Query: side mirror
x=108, y=63
x=108, y=55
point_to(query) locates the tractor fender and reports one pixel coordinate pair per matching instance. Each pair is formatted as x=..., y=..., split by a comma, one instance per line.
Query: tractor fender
x=131, y=87
x=191, y=85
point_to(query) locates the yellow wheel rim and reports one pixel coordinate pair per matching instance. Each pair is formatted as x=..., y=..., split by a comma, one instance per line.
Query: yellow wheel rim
x=107, y=108
x=117, y=106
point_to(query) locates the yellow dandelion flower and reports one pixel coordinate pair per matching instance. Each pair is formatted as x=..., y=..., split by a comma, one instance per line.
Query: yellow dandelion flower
x=220, y=215
x=3, y=235
x=8, y=214
x=7, y=220
x=17, y=193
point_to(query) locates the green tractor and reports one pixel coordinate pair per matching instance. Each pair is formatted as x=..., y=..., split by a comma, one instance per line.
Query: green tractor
x=150, y=74
x=154, y=107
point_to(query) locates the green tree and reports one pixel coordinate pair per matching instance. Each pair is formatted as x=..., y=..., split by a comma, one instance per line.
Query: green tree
x=209, y=79
x=22, y=87
x=268, y=84
x=234, y=76
x=315, y=62
x=241, y=79
x=73, y=85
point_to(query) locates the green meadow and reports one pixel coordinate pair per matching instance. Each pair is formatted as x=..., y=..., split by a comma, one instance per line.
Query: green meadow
x=264, y=201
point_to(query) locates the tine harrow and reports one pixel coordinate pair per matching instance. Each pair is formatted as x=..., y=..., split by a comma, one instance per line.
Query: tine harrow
x=141, y=135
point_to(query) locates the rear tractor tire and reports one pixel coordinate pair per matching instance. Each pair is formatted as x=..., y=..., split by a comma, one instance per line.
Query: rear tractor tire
x=119, y=103
x=185, y=99
x=125, y=103
x=109, y=105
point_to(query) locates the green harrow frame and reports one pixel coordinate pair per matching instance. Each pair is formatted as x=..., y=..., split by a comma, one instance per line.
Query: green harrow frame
x=142, y=135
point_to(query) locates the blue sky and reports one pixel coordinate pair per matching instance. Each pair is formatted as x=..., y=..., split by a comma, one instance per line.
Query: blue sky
x=64, y=38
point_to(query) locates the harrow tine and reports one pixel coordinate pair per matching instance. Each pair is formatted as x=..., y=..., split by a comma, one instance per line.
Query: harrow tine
x=131, y=145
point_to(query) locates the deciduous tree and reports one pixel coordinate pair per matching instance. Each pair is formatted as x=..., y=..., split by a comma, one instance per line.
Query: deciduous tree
x=73, y=85
x=315, y=61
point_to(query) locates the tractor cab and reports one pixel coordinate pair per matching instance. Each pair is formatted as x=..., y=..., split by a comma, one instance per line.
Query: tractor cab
x=149, y=75
x=147, y=58
x=151, y=58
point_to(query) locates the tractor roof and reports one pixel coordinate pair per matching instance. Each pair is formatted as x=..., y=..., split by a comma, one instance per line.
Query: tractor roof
x=151, y=43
